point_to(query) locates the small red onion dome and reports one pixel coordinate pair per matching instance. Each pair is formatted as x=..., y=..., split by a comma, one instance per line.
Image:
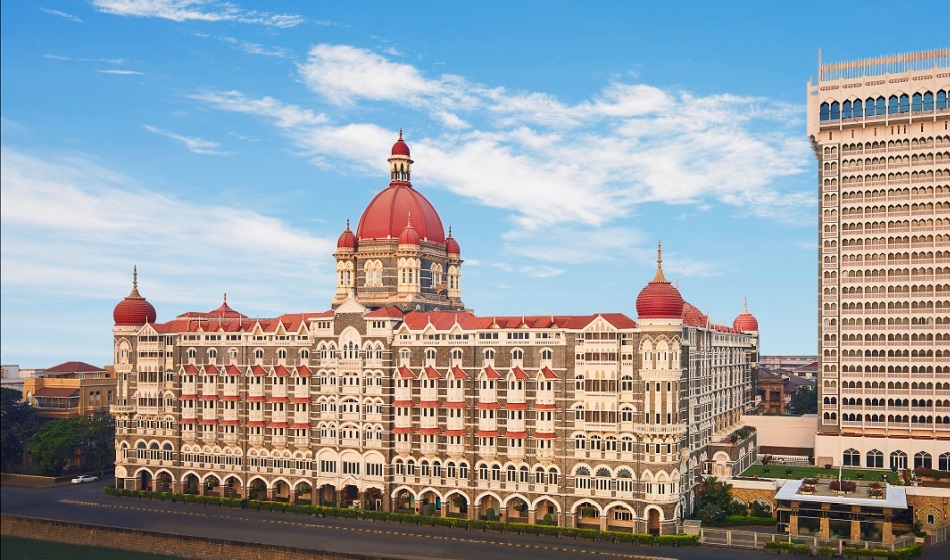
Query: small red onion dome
x=745, y=322
x=400, y=148
x=347, y=240
x=409, y=236
x=451, y=245
x=134, y=310
x=659, y=299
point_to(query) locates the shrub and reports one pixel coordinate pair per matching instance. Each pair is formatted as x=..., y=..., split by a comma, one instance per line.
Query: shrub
x=828, y=466
x=825, y=551
x=785, y=545
x=772, y=545
x=802, y=550
x=842, y=486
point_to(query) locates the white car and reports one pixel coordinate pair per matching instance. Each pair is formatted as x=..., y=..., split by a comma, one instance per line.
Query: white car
x=84, y=478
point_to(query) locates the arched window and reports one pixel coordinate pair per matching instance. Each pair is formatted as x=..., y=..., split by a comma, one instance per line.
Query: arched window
x=922, y=459
x=943, y=462
x=852, y=458
x=875, y=459
x=898, y=460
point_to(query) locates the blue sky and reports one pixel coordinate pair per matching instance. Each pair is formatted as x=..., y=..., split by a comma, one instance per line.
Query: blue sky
x=222, y=146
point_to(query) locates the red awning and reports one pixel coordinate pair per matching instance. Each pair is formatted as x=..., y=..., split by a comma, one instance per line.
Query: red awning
x=301, y=426
x=428, y=404
x=278, y=425
x=544, y=435
x=516, y=406
x=208, y=421
x=402, y=403
x=56, y=392
x=255, y=424
x=188, y=421
x=428, y=431
x=230, y=422
x=208, y=397
x=256, y=398
x=516, y=435
x=230, y=397
x=486, y=405
x=402, y=430
x=487, y=433
x=545, y=406
x=455, y=432
x=453, y=404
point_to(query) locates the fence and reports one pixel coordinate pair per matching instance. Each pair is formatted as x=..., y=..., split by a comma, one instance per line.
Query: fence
x=756, y=540
x=939, y=533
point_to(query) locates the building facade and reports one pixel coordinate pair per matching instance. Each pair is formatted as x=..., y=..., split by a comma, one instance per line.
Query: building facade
x=70, y=389
x=398, y=398
x=879, y=129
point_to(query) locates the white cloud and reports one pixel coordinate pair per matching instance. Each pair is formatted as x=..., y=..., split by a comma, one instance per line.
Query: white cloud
x=254, y=48
x=580, y=167
x=121, y=72
x=74, y=228
x=193, y=144
x=64, y=15
x=284, y=115
x=195, y=10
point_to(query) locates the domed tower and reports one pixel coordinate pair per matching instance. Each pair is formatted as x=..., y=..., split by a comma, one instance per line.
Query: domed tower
x=453, y=275
x=747, y=323
x=399, y=253
x=133, y=311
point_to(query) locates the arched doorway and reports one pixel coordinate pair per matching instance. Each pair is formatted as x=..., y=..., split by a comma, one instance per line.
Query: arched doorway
x=430, y=503
x=303, y=492
x=458, y=505
x=232, y=487
x=145, y=480
x=327, y=495
x=373, y=499
x=191, y=484
x=281, y=491
x=164, y=482
x=653, y=521
x=587, y=515
x=545, y=512
x=516, y=510
x=257, y=490
x=211, y=486
x=489, y=508
x=351, y=496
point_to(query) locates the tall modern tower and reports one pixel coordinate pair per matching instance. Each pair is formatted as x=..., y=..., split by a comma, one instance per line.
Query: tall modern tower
x=879, y=128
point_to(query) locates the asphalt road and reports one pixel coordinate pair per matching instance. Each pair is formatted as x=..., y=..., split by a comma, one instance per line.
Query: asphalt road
x=86, y=503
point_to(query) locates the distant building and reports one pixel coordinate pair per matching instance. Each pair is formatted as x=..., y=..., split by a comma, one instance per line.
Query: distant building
x=70, y=389
x=787, y=361
x=11, y=377
x=776, y=388
x=880, y=129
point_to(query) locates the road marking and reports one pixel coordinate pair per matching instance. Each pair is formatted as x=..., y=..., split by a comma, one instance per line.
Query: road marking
x=377, y=531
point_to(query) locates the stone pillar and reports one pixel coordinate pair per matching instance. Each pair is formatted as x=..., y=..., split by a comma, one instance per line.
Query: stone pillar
x=824, y=531
x=603, y=522
x=531, y=516
x=855, y=530
x=445, y=509
x=793, y=523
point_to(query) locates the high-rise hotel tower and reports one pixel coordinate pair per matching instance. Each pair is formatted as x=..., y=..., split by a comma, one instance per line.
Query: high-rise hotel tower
x=879, y=128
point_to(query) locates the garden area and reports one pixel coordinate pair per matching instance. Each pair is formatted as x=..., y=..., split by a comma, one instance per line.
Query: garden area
x=797, y=472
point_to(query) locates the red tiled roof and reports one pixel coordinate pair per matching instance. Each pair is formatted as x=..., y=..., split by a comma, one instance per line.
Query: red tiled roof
x=402, y=430
x=188, y=421
x=454, y=404
x=255, y=398
x=185, y=397
x=428, y=431
x=304, y=371
x=278, y=425
x=279, y=399
x=232, y=370
x=230, y=422
x=428, y=404
x=255, y=424
x=486, y=405
x=301, y=399
x=191, y=369
x=230, y=397
x=208, y=421
x=301, y=425
x=519, y=373
x=545, y=406
x=73, y=367
x=281, y=371
x=516, y=406
x=458, y=373
x=403, y=403
x=258, y=370
x=405, y=372
x=211, y=369
x=516, y=435
x=455, y=432
x=490, y=373
x=446, y=320
x=545, y=435
x=385, y=312
x=487, y=433
x=431, y=373
x=547, y=373
x=208, y=397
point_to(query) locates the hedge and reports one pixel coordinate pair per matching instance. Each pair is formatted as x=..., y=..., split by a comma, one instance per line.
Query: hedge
x=396, y=517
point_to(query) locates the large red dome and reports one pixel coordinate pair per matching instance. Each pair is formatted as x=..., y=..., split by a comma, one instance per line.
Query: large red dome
x=389, y=212
x=134, y=310
x=659, y=299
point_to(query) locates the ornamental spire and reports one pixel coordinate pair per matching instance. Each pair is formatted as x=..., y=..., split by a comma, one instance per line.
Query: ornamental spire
x=659, y=278
x=745, y=304
x=135, y=284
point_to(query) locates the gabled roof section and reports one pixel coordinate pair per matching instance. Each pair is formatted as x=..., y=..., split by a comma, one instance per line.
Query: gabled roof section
x=211, y=369
x=231, y=369
x=258, y=370
x=281, y=371
x=457, y=373
x=490, y=373
x=431, y=373
x=466, y=321
x=72, y=367
x=404, y=372
x=546, y=373
x=190, y=369
x=519, y=373
x=304, y=371
x=388, y=312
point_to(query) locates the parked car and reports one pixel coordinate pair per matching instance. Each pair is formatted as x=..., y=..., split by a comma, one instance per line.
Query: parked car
x=84, y=478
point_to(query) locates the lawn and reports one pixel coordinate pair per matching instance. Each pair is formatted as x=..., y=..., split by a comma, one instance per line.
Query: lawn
x=782, y=471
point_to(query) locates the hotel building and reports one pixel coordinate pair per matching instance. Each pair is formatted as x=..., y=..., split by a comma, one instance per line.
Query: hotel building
x=399, y=398
x=879, y=128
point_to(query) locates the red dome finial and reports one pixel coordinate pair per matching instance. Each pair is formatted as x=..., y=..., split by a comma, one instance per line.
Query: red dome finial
x=659, y=299
x=400, y=148
x=745, y=322
x=409, y=236
x=451, y=245
x=134, y=309
x=347, y=240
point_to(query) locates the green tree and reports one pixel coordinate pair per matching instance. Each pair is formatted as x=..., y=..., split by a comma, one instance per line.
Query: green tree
x=17, y=424
x=804, y=401
x=59, y=442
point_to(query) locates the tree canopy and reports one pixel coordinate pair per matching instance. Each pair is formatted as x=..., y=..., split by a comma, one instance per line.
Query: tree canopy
x=82, y=441
x=804, y=401
x=17, y=424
